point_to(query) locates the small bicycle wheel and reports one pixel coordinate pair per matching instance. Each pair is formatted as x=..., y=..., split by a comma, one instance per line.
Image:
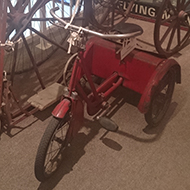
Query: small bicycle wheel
x=161, y=99
x=172, y=27
x=51, y=148
x=105, y=14
x=68, y=69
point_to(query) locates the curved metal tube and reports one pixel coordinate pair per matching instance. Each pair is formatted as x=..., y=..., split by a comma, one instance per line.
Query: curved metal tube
x=88, y=31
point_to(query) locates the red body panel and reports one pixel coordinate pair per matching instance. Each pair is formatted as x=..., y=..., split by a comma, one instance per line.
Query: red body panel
x=136, y=69
x=140, y=70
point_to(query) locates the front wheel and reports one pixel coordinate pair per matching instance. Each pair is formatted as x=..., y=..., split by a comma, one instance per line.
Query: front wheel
x=52, y=148
x=161, y=99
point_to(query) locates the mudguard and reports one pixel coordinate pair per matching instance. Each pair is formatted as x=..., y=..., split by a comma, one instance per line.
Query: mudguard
x=62, y=108
x=157, y=75
x=76, y=108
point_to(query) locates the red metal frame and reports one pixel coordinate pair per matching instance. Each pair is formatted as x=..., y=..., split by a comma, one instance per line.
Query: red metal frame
x=139, y=71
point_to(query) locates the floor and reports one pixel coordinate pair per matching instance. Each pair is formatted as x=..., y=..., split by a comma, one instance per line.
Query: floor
x=136, y=157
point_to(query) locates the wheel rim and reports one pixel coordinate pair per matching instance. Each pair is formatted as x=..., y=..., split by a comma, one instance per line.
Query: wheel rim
x=56, y=148
x=172, y=28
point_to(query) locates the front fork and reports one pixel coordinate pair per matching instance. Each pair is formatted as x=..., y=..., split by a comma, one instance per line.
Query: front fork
x=75, y=108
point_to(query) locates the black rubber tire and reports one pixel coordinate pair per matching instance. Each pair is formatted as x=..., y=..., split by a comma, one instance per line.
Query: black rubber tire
x=171, y=34
x=46, y=142
x=160, y=101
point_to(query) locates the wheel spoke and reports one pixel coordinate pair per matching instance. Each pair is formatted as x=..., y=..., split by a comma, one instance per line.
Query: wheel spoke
x=178, y=34
x=11, y=8
x=186, y=5
x=168, y=20
x=183, y=4
x=178, y=5
x=171, y=37
x=18, y=4
x=170, y=6
x=25, y=4
x=167, y=32
x=9, y=30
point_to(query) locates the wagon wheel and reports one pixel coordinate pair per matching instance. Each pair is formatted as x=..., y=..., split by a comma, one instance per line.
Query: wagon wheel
x=172, y=27
x=28, y=20
x=161, y=99
x=105, y=14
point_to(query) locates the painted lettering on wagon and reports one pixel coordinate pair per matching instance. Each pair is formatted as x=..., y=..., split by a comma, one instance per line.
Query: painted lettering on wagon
x=141, y=8
x=146, y=9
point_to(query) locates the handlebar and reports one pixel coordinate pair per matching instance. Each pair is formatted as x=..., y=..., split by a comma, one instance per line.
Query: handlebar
x=87, y=31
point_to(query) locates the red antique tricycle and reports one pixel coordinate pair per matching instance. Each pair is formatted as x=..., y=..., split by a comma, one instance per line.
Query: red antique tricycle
x=100, y=67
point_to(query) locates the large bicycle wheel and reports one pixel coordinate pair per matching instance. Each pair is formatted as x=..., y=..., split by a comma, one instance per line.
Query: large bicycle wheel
x=161, y=99
x=105, y=14
x=172, y=27
x=28, y=20
x=52, y=148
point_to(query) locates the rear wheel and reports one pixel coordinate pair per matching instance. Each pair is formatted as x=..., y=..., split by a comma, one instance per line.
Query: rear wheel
x=52, y=148
x=161, y=99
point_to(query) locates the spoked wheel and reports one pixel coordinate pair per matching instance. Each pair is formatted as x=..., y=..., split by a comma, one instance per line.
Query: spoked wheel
x=52, y=148
x=105, y=14
x=172, y=27
x=35, y=38
x=68, y=69
x=161, y=99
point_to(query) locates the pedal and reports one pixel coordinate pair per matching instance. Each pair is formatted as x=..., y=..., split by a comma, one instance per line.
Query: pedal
x=108, y=124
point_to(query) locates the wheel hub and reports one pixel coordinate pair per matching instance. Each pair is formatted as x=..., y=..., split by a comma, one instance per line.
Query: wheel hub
x=16, y=19
x=182, y=15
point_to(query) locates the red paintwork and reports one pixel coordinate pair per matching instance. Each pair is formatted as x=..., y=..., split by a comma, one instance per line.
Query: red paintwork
x=157, y=75
x=76, y=109
x=136, y=69
x=62, y=108
x=77, y=116
x=139, y=71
